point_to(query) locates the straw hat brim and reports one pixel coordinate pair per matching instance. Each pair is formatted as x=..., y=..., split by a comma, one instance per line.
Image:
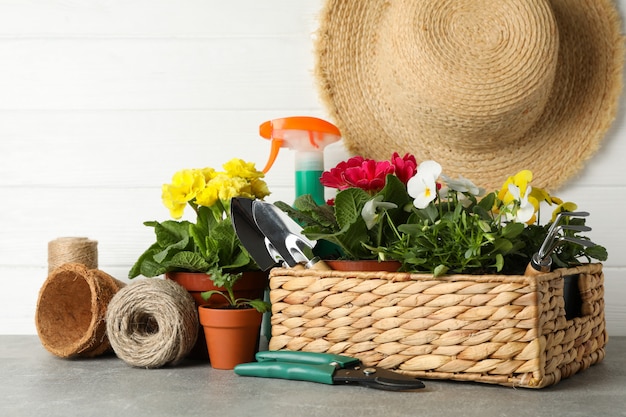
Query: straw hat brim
x=389, y=86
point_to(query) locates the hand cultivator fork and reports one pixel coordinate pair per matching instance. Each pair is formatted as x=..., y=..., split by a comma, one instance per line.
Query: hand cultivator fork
x=542, y=261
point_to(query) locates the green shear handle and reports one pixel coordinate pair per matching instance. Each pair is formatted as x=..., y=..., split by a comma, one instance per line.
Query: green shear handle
x=298, y=366
x=295, y=371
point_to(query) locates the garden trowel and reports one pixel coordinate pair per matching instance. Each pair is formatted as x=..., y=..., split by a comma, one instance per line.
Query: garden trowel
x=285, y=236
x=249, y=234
x=271, y=236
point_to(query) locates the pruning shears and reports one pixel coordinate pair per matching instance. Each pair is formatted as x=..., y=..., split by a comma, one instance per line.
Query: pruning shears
x=325, y=368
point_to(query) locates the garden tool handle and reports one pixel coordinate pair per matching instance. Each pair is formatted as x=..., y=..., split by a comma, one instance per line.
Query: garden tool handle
x=538, y=266
x=531, y=271
x=322, y=373
x=315, y=264
x=318, y=265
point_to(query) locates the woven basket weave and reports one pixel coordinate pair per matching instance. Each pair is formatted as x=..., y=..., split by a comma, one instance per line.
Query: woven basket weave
x=498, y=329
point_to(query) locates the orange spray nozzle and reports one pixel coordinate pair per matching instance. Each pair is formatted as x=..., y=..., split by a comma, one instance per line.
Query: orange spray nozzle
x=299, y=133
x=275, y=147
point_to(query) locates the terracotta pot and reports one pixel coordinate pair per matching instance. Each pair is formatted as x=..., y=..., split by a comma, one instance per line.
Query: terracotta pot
x=364, y=265
x=232, y=334
x=251, y=285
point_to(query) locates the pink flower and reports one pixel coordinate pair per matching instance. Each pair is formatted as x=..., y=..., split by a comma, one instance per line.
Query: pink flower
x=366, y=174
x=405, y=167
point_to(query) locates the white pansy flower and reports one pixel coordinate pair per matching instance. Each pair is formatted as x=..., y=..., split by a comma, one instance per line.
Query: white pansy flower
x=526, y=210
x=463, y=185
x=423, y=186
x=370, y=210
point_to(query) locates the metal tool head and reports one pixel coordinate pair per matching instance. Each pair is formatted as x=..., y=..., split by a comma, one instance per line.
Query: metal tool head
x=377, y=378
x=560, y=216
x=554, y=238
x=251, y=237
x=282, y=232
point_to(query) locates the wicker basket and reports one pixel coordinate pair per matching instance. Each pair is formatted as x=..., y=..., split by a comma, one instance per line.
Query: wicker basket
x=497, y=329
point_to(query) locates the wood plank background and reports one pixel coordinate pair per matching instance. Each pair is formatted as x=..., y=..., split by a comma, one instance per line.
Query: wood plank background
x=101, y=101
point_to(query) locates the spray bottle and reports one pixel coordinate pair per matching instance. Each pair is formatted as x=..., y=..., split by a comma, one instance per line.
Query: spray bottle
x=308, y=136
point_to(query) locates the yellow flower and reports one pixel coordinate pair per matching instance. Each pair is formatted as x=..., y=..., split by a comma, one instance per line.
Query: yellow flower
x=234, y=187
x=259, y=189
x=223, y=187
x=172, y=201
x=208, y=174
x=526, y=206
x=184, y=187
x=520, y=180
x=524, y=197
x=540, y=194
x=205, y=186
x=239, y=168
x=556, y=200
x=568, y=206
x=209, y=195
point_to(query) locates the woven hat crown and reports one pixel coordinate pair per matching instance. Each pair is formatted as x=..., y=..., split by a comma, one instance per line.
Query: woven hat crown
x=464, y=74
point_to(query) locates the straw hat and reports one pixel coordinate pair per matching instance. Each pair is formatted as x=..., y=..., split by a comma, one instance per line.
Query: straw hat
x=484, y=87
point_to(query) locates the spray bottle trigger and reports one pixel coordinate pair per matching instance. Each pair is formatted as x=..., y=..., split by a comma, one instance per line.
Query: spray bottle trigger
x=275, y=147
x=312, y=140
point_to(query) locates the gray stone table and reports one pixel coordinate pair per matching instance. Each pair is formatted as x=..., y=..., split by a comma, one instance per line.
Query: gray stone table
x=36, y=383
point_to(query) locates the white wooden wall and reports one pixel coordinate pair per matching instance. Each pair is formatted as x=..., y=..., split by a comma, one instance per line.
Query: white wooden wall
x=101, y=101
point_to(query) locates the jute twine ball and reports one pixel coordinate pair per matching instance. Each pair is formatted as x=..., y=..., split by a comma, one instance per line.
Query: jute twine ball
x=152, y=323
x=71, y=310
x=79, y=250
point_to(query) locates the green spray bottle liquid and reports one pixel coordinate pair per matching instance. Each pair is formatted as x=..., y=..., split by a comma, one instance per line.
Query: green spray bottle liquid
x=307, y=136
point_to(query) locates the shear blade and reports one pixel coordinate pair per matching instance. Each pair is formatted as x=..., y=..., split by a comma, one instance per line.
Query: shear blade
x=395, y=385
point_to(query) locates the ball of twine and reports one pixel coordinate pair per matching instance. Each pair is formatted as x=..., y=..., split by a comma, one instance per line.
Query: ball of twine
x=79, y=250
x=151, y=323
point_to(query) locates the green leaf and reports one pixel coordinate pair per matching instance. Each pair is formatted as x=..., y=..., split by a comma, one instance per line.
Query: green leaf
x=486, y=203
x=597, y=252
x=499, y=264
x=171, y=237
x=135, y=270
x=308, y=213
x=512, y=230
x=260, y=305
x=190, y=261
x=440, y=270
x=348, y=206
x=208, y=294
x=482, y=212
x=430, y=213
x=501, y=246
x=171, y=232
x=149, y=269
x=395, y=192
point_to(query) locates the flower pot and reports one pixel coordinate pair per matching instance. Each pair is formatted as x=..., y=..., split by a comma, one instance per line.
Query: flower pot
x=71, y=308
x=251, y=285
x=363, y=265
x=231, y=334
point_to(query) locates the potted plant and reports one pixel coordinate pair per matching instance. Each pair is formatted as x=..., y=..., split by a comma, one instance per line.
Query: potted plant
x=231, y=331
x=195, y=252
x=371, y=197
x=397, y=210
